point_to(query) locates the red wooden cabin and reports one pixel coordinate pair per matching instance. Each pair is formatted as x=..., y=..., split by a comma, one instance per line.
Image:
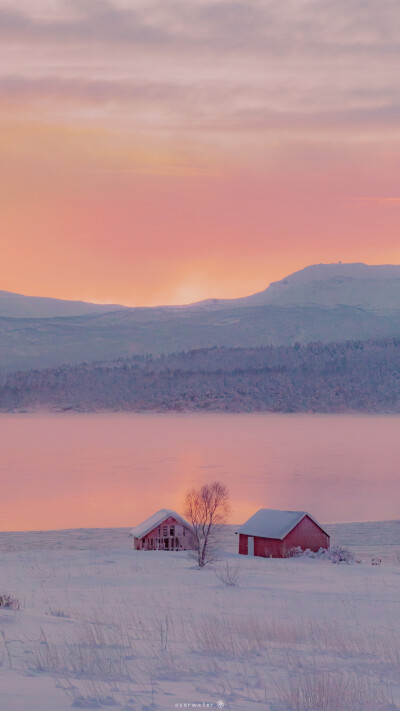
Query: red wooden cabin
x=271, y=533
x=165, y=530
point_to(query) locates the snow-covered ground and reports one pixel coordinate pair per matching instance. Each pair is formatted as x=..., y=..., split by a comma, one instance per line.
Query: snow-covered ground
x=102, y=625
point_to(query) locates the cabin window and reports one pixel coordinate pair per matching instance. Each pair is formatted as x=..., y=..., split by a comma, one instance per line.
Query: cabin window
x=172, y=531
x=165, y=531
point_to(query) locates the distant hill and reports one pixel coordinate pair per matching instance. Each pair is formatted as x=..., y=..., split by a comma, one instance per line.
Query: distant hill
x=20, y=306
x=39, y=343
x=347, y=377
x=324, y=302
x=361, y=285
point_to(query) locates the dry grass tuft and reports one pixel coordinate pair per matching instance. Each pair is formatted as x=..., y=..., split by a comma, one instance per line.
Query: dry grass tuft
x=309, y=689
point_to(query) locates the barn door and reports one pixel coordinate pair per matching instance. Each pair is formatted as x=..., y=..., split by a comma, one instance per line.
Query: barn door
x=250, y=545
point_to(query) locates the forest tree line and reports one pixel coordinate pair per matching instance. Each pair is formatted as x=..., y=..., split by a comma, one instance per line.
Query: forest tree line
x=356, y=376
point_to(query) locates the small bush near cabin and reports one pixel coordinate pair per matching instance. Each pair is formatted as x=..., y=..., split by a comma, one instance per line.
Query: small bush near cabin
x=335, y=554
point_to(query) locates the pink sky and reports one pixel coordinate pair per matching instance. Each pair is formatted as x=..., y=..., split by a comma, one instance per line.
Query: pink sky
x=163, y=152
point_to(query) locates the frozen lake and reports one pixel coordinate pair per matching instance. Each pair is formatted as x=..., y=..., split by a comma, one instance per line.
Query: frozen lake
x=100, y=470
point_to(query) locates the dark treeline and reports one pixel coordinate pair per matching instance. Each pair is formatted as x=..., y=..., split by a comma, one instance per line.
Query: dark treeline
x=338, y=377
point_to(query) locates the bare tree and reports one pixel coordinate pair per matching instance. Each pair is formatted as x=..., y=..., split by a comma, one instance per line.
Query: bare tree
x=206, y=509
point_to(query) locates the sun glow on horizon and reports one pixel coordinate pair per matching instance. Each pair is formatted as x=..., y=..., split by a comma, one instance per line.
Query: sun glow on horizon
x=195, y=164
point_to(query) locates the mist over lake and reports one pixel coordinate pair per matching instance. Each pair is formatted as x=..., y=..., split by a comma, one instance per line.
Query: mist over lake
x=98, y=470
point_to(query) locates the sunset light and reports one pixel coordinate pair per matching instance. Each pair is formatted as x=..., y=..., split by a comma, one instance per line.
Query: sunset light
x=231, y=154
x=200, y=355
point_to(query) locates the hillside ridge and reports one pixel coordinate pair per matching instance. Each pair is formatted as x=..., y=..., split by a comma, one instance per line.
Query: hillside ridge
x=318, y=284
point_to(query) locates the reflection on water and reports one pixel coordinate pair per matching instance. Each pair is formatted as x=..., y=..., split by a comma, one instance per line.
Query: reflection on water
x=66, y=471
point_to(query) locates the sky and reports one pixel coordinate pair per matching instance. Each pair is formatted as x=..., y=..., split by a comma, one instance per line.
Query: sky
x=165, y=151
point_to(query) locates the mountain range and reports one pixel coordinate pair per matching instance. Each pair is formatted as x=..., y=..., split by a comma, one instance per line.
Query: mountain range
x=20, y=306
x=323, y=302
x=359, y=285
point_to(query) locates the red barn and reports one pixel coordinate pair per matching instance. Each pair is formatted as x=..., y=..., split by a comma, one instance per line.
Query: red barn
x=165, y=530
x=271, y=533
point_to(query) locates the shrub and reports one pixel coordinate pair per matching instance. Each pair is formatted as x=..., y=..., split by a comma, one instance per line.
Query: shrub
x=335, y=554
x=339, y=554
x=57, y=613
x=229, y=574
x=9, y=602
x=295, y=552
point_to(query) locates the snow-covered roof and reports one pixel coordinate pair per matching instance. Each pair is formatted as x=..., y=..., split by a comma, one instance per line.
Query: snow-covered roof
x=272, y=523
x=156, y=520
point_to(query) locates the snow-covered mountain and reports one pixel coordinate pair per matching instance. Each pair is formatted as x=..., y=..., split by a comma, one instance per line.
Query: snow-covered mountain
x=361, y=285
x=20, y=306
x=324, y=302
x=364, y=286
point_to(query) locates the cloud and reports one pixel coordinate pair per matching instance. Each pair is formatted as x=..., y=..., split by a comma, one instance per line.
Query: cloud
x=151, y=129
x=201, y=105
x=307, y=27
x=76, y=89
x=206, y=69
x=384, y=201
x=99, y=22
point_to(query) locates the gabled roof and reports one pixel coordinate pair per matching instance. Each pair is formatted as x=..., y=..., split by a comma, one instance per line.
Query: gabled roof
x=156, y=520
x=272, y=523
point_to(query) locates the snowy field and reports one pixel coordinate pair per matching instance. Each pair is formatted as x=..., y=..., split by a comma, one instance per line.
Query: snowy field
x=103, y=626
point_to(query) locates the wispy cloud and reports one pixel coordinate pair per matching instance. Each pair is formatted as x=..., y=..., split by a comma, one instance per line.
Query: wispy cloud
x=17, y=87
x=296, y=26
x=135, y=132
x=254, y=65
x=377, y=200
